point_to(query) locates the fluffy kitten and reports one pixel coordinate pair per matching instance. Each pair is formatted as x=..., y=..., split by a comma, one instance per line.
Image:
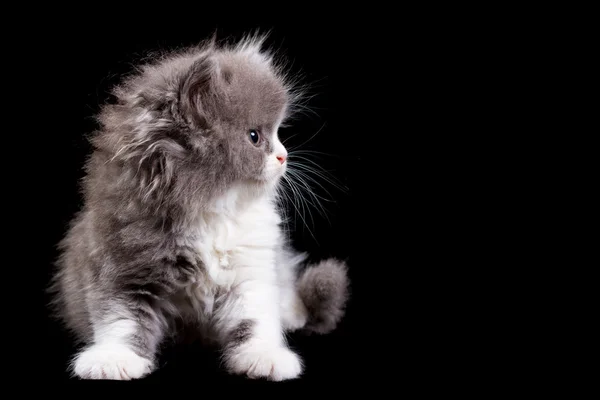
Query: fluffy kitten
x=180, y=223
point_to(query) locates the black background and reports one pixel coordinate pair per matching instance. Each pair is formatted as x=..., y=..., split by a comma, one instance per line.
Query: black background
x=392, y=109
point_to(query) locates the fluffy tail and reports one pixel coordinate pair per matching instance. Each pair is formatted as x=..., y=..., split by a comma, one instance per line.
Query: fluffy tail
x=324, y=289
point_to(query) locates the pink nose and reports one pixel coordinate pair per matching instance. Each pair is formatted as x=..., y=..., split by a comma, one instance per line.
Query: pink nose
x=281, y=159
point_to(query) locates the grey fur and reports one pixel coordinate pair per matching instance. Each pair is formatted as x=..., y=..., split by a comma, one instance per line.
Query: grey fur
x=324, y=289
x=241, y=333
x=179, y=125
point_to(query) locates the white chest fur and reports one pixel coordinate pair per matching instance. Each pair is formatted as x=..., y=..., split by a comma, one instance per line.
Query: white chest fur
x=236, y=243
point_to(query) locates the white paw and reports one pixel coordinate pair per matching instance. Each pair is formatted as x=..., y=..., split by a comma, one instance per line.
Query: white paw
x=273, y=363
x=114, y=361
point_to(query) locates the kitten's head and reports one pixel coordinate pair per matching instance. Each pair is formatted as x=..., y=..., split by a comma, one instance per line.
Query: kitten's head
x=201, y=121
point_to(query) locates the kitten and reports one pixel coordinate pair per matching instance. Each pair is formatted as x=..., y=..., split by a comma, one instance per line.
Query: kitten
x=180, y=223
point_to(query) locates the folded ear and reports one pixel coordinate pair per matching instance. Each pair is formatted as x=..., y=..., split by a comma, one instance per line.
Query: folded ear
x=198, y=92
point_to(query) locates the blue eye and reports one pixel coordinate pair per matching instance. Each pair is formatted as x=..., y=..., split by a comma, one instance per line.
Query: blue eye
x=254, y=136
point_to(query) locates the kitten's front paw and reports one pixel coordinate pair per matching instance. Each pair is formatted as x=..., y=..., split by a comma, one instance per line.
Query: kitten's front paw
x=272, y=363
x=115, y=362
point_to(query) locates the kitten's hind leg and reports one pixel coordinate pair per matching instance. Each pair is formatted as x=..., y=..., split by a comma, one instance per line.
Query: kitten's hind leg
x=294, y=314
x=124, y=343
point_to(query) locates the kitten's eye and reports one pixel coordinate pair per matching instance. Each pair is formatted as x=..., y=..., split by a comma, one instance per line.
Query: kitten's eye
x=254, y=136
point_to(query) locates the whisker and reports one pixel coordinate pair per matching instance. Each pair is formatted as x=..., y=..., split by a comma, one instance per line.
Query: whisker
x=307, y=185
x=326, y=176
x=311, y=138
x=291, y=186
x=317, y=204
x=289, y=138
x=301, y=200
x=302, y=175
x=306, y=151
